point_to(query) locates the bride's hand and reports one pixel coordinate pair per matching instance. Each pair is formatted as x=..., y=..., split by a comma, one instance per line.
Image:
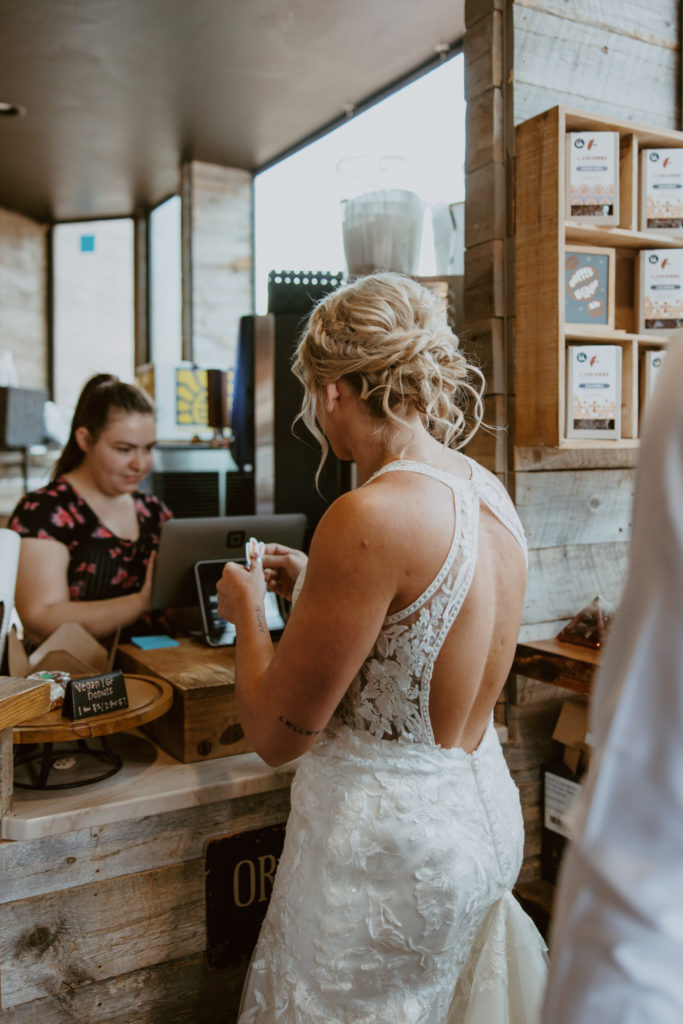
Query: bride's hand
x=281, y=567
x=238, y=589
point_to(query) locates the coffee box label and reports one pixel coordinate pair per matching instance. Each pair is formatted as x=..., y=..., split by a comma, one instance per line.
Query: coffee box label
x=593, y=174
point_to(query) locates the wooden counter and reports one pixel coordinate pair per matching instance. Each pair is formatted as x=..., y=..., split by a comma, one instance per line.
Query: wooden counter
x=202, y=722
x=105, y=906
x=20, y=699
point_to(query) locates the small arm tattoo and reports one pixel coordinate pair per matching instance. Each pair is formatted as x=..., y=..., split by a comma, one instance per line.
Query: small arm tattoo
x=297, y=728
x=260, y=620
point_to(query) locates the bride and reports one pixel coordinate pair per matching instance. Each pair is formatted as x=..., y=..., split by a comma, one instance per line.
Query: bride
x=392, y=901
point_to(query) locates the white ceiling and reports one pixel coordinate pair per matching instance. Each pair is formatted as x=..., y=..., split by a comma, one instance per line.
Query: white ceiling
x=119, y=92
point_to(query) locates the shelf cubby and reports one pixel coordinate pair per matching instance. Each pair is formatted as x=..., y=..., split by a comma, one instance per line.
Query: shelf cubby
x=542, y=233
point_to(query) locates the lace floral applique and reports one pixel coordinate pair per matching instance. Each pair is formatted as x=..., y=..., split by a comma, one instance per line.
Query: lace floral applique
x=389, y=698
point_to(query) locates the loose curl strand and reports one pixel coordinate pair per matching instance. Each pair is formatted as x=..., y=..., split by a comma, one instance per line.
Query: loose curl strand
x=389, y=337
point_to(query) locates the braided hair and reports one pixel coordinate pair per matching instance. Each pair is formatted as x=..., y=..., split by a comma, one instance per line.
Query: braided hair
x=388, y=336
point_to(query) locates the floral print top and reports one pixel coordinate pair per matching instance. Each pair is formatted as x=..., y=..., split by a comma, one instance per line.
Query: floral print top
x=101, y=565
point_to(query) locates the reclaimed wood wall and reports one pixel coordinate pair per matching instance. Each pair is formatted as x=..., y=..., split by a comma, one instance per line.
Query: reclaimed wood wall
x=521, y=58
x=108, y=924
x=619, y=58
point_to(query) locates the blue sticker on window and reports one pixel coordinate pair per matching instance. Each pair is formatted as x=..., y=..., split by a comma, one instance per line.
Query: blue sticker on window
x=87, y=243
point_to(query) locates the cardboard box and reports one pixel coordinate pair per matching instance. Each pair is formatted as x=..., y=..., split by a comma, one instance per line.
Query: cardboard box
x=562, y=783
x=661, y=191
x=203, y=721
x=571, y=730
x=594, y=392
x=592, y=177
x=659, y=291
x=69, y=649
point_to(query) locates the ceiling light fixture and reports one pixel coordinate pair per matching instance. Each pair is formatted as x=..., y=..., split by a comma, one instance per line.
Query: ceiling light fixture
x=11, y=109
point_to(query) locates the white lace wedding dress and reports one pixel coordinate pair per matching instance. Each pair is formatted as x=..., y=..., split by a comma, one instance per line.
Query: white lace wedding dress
x=392, y=898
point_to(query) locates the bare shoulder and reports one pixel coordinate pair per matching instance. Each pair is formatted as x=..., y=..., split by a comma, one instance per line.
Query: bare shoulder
x=355, y=521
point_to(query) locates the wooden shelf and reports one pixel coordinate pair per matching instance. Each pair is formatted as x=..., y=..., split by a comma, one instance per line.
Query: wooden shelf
x=528, y=458
x=595, y=234
x=555, y=661
x=541, y=236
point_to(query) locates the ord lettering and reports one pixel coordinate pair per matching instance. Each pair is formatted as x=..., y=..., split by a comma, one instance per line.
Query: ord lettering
x=248, y=880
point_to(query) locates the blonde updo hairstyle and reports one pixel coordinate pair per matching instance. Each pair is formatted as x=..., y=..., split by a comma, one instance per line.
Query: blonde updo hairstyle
x=388, y=336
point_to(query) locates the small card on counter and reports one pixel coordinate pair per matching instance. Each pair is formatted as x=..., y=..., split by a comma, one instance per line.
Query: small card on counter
x=151, y=643
x=95, y=695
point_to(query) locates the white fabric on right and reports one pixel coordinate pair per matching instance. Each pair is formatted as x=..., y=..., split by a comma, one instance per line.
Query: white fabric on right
x=617, y=941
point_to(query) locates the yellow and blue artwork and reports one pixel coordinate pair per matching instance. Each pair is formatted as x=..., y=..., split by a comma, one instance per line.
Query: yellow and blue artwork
x=192, y=397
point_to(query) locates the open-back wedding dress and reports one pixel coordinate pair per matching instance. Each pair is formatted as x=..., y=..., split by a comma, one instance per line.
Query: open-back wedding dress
x=392, y=901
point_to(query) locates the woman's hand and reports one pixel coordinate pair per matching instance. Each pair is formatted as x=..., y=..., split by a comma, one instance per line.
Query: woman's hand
x=240, y=589
x=145, y=594
x=281, y=567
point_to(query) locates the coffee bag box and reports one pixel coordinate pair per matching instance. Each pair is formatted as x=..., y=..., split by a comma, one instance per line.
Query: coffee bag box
x=661, y=191
x=659, y=291
x=594, y=391
x=592, y=177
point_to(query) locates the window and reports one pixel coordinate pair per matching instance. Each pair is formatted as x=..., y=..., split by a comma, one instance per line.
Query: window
x=165, y=282
x=297, y=212
x=93, y=324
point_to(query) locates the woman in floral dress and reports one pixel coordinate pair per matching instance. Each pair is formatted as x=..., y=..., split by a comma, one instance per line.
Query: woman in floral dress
x=89, y=537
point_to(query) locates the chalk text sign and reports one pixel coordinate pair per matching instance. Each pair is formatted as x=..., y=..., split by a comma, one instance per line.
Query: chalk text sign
x=96, y=695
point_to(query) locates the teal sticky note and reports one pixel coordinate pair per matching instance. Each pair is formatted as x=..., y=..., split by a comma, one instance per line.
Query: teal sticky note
x=150, y=643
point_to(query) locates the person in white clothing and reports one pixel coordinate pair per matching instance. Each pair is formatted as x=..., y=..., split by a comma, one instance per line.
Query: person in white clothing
x=617, y=938
x=392, y=901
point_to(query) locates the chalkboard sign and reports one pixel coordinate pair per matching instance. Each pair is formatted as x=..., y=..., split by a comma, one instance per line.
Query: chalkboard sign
x=95, y=695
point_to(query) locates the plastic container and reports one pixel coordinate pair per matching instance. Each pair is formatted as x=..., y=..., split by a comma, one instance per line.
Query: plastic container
x=382, y=212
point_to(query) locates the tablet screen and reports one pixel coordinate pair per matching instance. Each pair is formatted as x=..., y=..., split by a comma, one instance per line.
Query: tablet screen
x=217, y=631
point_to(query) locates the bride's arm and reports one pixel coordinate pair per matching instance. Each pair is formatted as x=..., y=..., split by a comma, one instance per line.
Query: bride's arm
x=286, y=697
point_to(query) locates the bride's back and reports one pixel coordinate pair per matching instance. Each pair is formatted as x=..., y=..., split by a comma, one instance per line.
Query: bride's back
x=477, y=651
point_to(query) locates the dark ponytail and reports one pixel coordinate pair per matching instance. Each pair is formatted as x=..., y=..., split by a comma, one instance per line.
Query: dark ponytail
x=99, y=396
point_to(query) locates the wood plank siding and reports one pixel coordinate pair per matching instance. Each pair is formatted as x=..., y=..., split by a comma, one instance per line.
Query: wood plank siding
x=523, y=57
